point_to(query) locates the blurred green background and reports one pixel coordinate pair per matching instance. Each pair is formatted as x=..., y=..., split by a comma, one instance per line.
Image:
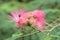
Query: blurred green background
x=9, y=32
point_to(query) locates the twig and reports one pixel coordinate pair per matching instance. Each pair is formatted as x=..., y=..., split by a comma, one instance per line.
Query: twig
x=29, y=34
x=52, y=29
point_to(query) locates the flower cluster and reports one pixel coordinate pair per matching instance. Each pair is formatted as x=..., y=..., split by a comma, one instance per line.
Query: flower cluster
x=34, y=18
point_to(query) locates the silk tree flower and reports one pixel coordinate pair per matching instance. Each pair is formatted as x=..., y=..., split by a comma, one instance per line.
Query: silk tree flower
x=34, y=18
x=37, y=18
x=19, y=18
x=40, y=19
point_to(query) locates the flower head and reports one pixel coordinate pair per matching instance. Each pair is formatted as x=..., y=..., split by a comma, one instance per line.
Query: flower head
x=37, y=18
x=19, y=17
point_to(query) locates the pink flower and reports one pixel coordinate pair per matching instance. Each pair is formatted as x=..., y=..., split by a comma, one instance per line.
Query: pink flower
x=37, y=18
x=19, y=17
x=40, y=19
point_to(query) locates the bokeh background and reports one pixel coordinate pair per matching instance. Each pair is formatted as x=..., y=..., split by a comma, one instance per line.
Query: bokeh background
x=9, y=32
